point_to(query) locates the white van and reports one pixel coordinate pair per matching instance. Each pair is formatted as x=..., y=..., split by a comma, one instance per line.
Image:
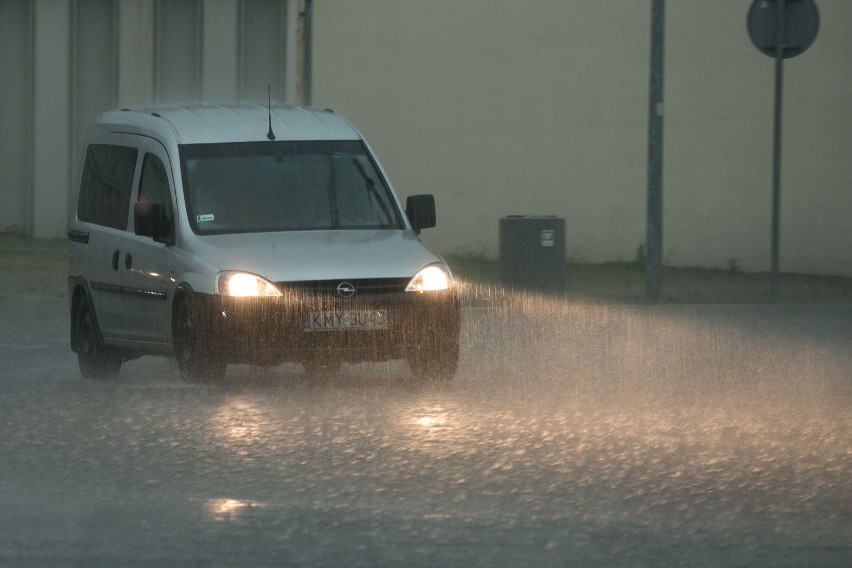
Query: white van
x=246, y=233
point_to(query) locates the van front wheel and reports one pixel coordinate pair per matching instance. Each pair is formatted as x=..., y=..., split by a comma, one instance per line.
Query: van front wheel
x=94, y=358
x=196, y=356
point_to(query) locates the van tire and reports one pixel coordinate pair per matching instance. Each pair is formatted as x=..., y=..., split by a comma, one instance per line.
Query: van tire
x=96, y=360
x=196, y=357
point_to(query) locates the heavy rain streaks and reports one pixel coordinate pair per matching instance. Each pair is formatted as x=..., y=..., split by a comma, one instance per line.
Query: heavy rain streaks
x=586, y=434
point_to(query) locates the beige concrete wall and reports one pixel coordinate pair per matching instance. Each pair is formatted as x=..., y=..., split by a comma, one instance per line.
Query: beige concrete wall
x=51, y=117
x=220, y=45
x=503, y=107
x=135, y=52
x=15, y=126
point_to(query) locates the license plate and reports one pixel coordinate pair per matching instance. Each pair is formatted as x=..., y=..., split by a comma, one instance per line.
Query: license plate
x=345, y=320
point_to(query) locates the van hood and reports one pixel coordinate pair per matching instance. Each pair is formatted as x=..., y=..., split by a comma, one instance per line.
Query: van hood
x=317, y=255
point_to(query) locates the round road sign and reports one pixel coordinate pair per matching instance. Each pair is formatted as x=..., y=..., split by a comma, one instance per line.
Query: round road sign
x=801, y=22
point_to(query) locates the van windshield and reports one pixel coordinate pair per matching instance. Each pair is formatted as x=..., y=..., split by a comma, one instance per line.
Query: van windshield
x=252, y=187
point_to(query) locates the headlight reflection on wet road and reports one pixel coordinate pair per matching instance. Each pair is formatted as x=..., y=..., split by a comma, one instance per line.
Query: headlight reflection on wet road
x=239, y=423
x=226, y=509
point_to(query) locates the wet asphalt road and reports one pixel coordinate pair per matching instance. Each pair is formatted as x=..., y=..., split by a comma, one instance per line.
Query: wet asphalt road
x=573, y=436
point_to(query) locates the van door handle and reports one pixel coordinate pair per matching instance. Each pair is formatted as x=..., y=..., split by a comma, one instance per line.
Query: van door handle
x=115, y=260
x=128, y=261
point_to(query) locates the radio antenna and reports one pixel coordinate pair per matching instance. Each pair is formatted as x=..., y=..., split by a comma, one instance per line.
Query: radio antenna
x=270, y=135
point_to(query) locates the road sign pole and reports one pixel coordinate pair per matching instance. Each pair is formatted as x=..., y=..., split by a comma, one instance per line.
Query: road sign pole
x=776, y=147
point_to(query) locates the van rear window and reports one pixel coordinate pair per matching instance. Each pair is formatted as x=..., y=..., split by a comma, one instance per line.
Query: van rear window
x=251, y=187
x=106, y=185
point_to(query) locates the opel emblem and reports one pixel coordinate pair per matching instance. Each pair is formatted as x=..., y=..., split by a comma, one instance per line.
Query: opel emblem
x=346, y=290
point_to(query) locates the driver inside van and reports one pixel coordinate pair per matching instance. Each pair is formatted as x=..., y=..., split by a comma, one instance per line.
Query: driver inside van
x=154, y=187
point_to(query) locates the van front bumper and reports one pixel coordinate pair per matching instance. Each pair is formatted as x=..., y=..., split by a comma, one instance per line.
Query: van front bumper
x=305, y=327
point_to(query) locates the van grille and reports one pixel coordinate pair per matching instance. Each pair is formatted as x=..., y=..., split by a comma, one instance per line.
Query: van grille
x=363, y=286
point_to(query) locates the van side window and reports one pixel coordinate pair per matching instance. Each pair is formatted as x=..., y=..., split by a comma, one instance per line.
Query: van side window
x=106, y=185
x=154, y=186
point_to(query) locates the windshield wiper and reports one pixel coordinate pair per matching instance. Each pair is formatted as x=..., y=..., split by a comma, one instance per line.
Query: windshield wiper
x=332, y=194
x=371, y=188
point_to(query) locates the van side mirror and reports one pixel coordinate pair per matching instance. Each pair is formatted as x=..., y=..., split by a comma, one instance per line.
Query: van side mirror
x=421, y=211
x=149, y=220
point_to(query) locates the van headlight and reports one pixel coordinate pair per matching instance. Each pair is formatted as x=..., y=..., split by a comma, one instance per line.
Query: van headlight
x=244, y=284
x=430, y=279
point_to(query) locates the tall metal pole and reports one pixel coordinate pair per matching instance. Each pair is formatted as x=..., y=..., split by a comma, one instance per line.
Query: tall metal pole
x=654, y=229
x=309, y=52
x=776, y=146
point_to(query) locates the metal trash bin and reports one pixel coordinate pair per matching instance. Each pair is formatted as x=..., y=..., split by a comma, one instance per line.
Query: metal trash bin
x=532, y=253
